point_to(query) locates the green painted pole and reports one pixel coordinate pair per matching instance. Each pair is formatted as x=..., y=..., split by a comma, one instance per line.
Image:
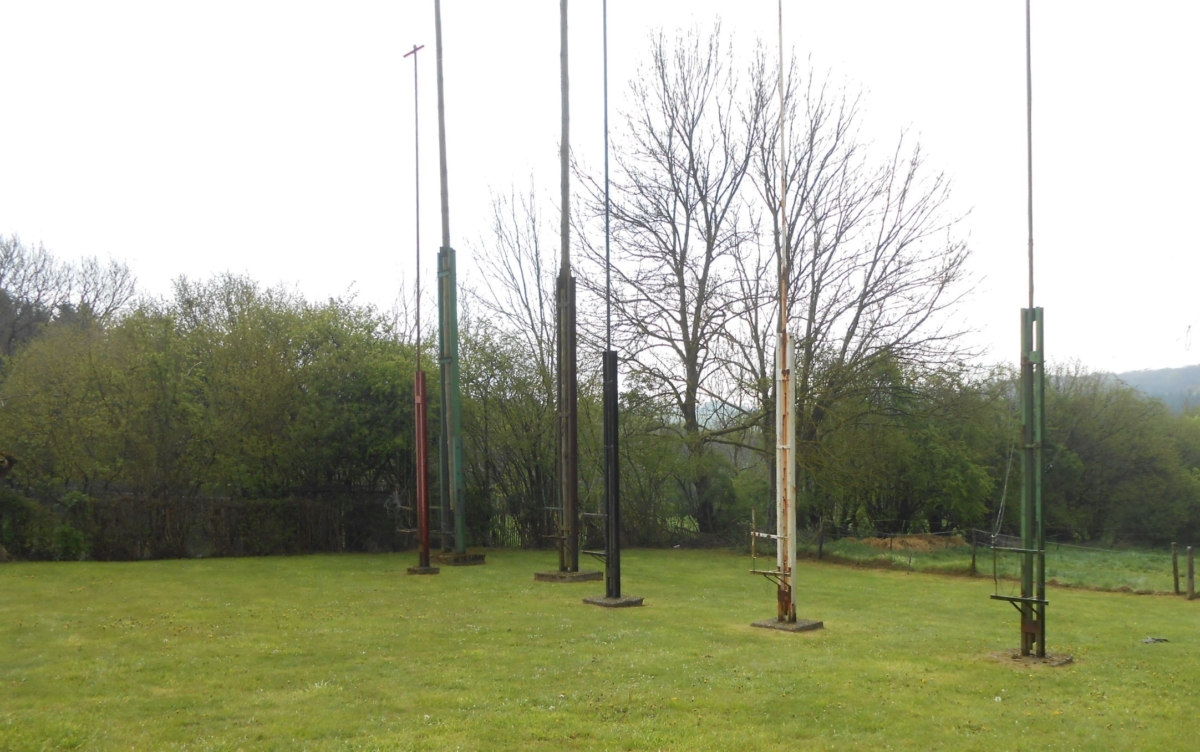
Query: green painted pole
x=1039, y=425
x=450, y=459
x=452, y=446
x=1033, y=419
x=1033, y=528
x=1028, y=481
x=443, y=453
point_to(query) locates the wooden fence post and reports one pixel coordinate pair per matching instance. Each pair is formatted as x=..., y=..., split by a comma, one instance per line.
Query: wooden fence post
x=1191, y=585
x=974, y=547
x=1175, y=565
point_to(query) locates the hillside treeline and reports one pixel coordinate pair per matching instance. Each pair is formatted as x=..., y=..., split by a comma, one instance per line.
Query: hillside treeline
x=231, y=395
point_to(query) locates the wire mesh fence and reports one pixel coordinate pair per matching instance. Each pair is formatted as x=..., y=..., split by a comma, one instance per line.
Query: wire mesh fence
x=1141, y=569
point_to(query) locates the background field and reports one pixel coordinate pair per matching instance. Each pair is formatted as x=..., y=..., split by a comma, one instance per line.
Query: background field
x=1140, y=570
x=347, y=652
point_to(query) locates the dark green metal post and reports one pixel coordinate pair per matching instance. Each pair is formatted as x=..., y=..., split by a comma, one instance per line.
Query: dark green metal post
x=1033, y=538
x=443, y=454
x=451, y=396
x=1032, y=602
x=1039, y=407
x=450, y=459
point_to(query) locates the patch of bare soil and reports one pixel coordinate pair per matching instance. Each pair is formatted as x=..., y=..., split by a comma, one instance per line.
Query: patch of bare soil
x=1014, y=658
x=918, y=543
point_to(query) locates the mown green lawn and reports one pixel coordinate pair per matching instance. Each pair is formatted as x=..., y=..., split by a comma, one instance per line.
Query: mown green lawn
x=348, y=652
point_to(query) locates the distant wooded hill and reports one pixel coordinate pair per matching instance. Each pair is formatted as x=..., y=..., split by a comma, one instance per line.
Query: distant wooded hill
x=1178, y=388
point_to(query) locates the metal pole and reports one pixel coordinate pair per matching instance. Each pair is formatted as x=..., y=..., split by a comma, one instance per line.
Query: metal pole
x=607, y=203
x=1029, y=136
x=1029, y=476
x=785, y=425
x=568, y=435
x=417, y=192
x=437, y=24
x=451, y=458
x=612, y=481
x=1037, y=385
x=419, y=394
x=422, y=470
x=1039, y=414
x=612, y=457
x=1032, y=603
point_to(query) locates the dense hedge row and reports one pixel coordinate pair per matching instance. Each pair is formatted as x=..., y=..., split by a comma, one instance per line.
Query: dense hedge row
x=124, y=529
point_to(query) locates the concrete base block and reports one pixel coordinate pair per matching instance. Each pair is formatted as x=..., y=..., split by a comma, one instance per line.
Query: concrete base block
x=460, y=560
x=424, y=570
x=1053, y=660
x=799, y=625
x=625, y=601
x=585, y=575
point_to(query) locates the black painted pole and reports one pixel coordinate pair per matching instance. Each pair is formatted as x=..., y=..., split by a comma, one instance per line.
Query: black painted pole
x=612, y=480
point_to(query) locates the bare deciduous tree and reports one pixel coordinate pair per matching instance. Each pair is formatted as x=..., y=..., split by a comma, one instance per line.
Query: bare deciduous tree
x=35, y=287
x=875, y=264
x=520, y=279
x=513, y=368
x=678, y=220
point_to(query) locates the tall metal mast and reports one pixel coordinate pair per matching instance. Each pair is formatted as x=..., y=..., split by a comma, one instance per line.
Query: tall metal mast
x=420, y=418
x=612, y=459
x=450, y=459
x=1032, y=602
x=784, y=573
x=785, y=398
x=568, y=407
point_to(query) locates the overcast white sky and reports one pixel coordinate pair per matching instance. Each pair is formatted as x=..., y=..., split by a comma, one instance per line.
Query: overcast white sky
x=276, y=138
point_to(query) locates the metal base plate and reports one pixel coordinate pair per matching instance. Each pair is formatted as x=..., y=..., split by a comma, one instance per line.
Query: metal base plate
x=625, y=601
x=799, y=625
x=460, y=560
x=424, y=570
x=584, y=575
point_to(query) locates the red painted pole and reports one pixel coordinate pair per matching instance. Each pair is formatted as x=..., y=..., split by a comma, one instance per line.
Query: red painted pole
x=422, y=471
x=419, y=401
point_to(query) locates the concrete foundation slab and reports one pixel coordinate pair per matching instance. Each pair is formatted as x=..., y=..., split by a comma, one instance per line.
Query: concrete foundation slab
x=585, y=575
x=424, y=570
x=800, y=625
x=625, y=601
x=1052, y=660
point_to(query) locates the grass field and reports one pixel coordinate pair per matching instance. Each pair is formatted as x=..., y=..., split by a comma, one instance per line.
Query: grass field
x=347, y=652
x=1135, y=570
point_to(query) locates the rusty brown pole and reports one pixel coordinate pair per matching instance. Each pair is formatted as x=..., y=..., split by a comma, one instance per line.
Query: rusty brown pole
x=419, y=399
x=422, y=469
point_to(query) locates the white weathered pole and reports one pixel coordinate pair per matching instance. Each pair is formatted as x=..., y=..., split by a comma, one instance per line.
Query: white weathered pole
x=785, y=423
